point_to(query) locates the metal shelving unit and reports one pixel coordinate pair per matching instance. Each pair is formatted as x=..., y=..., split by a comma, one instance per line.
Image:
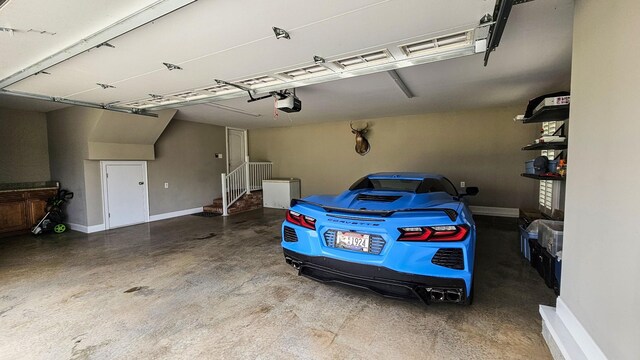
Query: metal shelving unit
x=543, y=177
x=547, y=146
x=550, y=113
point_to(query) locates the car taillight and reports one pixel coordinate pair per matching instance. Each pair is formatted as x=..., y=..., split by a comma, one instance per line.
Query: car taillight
x=302, y=220
x=434, y=233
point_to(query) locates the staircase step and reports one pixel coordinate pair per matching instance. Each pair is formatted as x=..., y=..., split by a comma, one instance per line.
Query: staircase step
x=247, y=202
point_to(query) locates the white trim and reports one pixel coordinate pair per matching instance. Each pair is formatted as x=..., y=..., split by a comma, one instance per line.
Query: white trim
x=246, y=143
x=173, y=214
x=495, y=211
x=102, y=227
x=105, y=197
x=568, y=334
x=226, y=147
x=86, y=229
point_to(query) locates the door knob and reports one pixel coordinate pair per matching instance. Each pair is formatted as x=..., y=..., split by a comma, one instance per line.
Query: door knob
x=141, y=183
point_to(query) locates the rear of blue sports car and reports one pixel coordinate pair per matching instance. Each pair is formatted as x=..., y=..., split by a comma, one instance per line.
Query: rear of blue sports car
x=404, y=238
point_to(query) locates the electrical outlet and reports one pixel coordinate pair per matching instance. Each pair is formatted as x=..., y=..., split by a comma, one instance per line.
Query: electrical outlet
x=166, y=185
x=462, y=184
x=218, y=156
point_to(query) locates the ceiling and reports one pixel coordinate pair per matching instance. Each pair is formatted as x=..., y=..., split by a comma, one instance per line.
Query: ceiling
x=233, y=40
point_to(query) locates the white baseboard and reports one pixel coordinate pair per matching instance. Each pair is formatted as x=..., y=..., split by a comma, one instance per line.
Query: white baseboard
x=495, y=211
x=101, y=227
x=568, y=334
x=87, y=229
x=175, y=214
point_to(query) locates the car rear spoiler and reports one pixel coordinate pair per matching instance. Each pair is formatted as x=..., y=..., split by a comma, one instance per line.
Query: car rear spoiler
x=452, y=214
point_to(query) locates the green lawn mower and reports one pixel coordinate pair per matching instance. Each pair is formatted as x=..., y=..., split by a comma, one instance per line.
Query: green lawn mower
x=53, y=220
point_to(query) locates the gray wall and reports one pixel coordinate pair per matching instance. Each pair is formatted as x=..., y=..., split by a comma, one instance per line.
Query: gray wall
x=185, y=158
x=601, y=271
x=68, y=131
x=24, y=155
x=480, y=147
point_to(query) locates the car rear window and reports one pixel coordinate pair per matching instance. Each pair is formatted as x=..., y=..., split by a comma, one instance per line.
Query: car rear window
x=417, y=186
x=395, y=184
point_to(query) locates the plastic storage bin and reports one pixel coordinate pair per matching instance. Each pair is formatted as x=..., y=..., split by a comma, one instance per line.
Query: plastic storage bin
x=526, y=234
x=550, y=235
x=552, y=167
x=558, y=273
x=528, y=167
x=544, y=263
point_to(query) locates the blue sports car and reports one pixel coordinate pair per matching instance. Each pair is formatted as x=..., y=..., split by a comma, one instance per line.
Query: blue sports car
x=402, y=235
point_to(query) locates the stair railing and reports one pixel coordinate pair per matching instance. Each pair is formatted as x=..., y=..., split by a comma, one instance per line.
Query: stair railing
x=242, y=180
x=259, y=171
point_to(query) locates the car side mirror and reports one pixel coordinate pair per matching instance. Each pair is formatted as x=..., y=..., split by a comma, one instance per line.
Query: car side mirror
x=471, y=191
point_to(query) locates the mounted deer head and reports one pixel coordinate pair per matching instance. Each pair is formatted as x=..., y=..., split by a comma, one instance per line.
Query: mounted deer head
x=362, y=144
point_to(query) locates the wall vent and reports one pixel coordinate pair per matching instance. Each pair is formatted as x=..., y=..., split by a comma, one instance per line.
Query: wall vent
x=438, y=44
x=372, y=58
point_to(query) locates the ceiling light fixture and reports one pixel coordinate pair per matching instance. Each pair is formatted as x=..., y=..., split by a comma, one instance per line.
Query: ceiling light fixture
x=318, y=60
x=281, y=33
x=106, y=86
x=172, y=66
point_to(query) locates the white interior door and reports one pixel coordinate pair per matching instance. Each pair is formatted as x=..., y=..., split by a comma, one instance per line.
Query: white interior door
x=125, y=193
x=237, y=148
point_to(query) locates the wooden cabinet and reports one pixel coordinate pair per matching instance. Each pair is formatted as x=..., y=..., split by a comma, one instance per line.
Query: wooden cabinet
x=36, y=208
x=13, y=216
x=20, y=210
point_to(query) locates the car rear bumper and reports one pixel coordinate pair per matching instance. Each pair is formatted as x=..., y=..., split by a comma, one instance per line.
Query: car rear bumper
x=381, y=280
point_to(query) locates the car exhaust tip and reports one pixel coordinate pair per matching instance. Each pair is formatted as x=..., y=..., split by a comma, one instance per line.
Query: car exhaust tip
x=453, y=296
x=436, y=295
x=295, y=264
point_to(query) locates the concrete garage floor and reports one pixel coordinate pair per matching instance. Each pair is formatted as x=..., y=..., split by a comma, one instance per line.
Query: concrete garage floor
x=219, y=288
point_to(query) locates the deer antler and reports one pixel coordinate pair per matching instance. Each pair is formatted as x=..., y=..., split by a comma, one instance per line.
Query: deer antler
x=351, y=126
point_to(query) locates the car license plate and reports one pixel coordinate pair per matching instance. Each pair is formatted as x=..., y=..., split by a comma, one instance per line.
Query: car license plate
x=352, y=241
